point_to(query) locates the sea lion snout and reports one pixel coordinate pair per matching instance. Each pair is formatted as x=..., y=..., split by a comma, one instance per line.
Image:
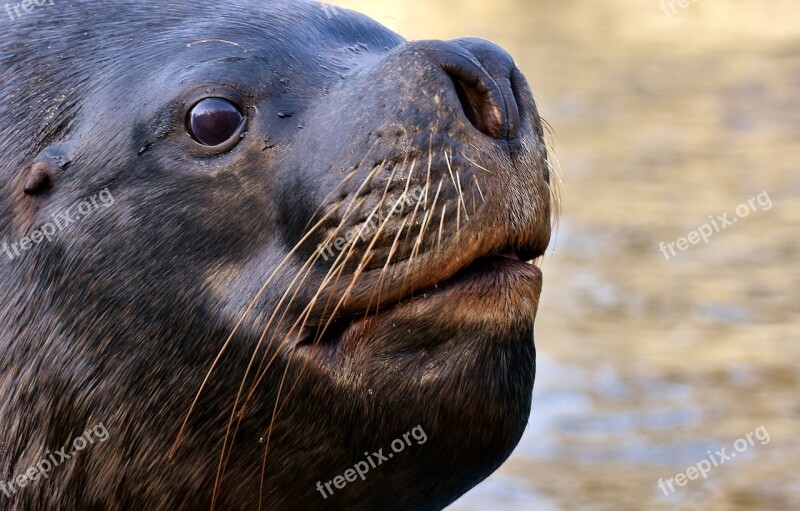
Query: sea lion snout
x=436, y=157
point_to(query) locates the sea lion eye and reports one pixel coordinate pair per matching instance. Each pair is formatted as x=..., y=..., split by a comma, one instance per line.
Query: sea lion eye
x=212, y=121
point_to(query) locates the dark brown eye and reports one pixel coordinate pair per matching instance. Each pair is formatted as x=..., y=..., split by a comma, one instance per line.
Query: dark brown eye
x=212, y=121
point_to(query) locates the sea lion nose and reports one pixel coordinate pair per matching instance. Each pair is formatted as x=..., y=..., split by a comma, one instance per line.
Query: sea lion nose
x=482, y=74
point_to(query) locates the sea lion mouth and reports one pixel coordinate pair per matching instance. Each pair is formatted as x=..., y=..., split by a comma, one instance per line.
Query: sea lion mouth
x=490, y=287
x=487, y=267
x=508, y=235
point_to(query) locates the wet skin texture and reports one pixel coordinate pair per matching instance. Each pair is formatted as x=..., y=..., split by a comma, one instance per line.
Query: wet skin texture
x=424, y=320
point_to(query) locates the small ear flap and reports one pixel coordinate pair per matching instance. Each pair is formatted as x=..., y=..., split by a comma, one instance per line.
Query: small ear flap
x=40, y=176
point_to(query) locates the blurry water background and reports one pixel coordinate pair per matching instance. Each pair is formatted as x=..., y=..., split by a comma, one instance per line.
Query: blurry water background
x=645, y=363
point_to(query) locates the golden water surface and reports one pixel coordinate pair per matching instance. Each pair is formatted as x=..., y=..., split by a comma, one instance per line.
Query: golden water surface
x=647, y=363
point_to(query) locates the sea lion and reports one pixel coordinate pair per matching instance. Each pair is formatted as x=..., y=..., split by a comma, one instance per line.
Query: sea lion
x=172, y=174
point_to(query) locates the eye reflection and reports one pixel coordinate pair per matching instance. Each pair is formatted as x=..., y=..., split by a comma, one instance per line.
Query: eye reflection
x=213, y=121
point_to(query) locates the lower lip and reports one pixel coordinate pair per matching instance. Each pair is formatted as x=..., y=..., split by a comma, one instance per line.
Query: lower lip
x=494, y=294
x=492, y=290
x=497, y=271
x=491, y=287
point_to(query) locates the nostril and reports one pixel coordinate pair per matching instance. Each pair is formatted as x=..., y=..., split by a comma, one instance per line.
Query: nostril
x=482, y=110
x=468, y=100
x=481, y=73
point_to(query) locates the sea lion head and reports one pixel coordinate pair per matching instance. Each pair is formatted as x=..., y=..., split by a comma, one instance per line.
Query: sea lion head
x=306, y=259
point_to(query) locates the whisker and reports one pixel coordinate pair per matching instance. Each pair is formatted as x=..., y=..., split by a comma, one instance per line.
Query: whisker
x=236, y=329
x=476, y=164
x=430, y=164
x=337, y=268
x=441, y=228
x=314, y=257
x=409, y=262
x=269, y=435
x=458, y=191
x=362, y=264
x=348, y=177
x=478, y=186
x=305, y=271
x=384, y=270
x=357, y=273
x=420, y=237
x=318, y=338
x=411, y=223
x=463, y=203
x=377, y=206
x=304, y=317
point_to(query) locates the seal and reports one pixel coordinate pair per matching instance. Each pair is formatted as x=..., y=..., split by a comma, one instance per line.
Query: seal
x=279, y=253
